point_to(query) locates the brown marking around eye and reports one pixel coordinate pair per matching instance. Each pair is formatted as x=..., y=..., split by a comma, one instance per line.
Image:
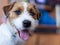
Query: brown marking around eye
x=12, y=14
x=18, y=11
x=21, y=8
x=32, y=8
x=18, y=6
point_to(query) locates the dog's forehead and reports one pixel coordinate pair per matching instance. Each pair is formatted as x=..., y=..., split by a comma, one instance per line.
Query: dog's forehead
x=18, y=4
x=23, y=5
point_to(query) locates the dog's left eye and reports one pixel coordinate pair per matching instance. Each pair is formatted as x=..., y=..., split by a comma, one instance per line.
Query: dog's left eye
x=17, y=12
x=32, y=12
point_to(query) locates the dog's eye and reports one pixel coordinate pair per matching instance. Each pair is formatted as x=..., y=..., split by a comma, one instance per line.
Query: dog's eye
x=31, y=12
x=17, y=12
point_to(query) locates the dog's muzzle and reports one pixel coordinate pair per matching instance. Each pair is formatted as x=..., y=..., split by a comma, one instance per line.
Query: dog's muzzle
x=24, y=33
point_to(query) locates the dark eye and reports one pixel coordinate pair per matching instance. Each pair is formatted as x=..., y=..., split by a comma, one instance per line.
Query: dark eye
x=18, y=12
x=32, y=12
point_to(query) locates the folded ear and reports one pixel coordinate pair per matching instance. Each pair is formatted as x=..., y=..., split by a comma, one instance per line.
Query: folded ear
x=7, y=8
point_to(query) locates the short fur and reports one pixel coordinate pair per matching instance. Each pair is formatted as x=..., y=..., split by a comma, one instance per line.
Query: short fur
x=8, y=31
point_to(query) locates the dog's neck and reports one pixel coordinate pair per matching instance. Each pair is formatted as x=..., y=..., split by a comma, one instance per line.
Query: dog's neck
x=11, y=28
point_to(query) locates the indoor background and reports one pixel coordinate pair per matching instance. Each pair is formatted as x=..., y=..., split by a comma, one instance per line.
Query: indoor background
x=46, y=34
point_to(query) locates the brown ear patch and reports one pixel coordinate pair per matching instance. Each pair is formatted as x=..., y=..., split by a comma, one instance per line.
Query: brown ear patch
x=7, y=8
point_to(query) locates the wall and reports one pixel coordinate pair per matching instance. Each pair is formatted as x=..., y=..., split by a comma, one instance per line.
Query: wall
x=2, y=3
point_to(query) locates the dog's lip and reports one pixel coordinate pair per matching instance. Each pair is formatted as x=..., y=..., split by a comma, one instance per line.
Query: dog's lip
x=24, y=34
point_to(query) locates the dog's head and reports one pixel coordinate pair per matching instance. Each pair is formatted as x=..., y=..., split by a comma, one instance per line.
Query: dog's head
x=24, y=16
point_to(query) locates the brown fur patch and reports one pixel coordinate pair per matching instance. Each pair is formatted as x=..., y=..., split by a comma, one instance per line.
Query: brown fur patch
x=17, y=6
x=33, y=9
x=9, y=10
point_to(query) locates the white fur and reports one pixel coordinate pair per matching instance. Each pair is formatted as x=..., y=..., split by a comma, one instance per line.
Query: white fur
x=8, y=36
x=7, y=31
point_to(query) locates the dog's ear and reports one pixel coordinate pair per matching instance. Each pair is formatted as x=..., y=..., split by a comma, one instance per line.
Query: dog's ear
x=7, y=8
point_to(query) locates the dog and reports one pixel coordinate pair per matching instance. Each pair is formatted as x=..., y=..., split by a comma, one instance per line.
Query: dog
x=22, y=18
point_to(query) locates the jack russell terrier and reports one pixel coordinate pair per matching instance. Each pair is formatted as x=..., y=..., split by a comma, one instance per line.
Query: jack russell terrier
x=22, y=18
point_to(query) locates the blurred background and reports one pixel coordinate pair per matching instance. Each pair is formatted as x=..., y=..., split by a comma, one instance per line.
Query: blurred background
x=48, y=31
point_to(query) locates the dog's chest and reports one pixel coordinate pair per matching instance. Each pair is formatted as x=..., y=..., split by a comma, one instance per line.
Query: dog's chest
x=4, y=31
x=9, y=38
x=6, y=37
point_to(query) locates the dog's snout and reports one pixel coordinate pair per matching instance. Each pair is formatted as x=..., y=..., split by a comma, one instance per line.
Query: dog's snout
x=26, y=23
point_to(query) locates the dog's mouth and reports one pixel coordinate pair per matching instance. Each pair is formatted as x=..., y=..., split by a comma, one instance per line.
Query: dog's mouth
x=24, y=34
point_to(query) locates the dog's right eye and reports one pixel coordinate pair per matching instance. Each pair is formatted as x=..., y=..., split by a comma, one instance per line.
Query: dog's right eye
x=17, y=12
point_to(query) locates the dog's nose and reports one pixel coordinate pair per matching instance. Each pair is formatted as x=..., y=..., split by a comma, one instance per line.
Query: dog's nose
x=26, y=23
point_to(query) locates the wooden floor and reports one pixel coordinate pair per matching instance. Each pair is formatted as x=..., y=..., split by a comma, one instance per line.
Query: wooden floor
x=44, y=39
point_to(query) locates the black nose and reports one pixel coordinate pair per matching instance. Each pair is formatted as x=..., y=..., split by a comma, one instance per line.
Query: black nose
x=26, y=23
